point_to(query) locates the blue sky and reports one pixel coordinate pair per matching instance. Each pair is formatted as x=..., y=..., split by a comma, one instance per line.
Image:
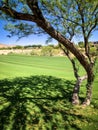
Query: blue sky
x=32, y=39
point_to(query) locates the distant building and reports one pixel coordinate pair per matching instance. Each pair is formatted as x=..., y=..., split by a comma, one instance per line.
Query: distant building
x=96, y=42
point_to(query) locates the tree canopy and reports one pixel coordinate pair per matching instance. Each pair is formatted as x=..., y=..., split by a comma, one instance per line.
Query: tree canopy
x=65, y=16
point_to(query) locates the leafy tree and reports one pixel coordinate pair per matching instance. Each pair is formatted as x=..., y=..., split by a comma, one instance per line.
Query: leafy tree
x=47, y=51
x=17, y=47
x=81, y=44
x=62, y=20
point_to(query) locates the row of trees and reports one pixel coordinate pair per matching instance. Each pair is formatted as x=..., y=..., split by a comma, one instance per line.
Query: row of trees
x=30, y=47
x=80, y=44
x=21, y=47
x=61, y=20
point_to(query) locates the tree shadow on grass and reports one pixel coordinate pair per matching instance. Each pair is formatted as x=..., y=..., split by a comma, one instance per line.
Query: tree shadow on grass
x=36, y=103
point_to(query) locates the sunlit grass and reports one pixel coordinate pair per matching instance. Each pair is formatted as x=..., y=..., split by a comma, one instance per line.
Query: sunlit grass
x=12, y=66
x=42, y=101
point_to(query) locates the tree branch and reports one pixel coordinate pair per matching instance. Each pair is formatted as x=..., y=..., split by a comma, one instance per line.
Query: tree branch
x=33, y=5
x=67, y=53
x=94, y=26
x=17, y=15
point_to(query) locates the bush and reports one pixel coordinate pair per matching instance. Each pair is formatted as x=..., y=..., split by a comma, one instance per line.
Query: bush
x=81, y=44
x=93, y=51
x=47, y=51
x=18, y=47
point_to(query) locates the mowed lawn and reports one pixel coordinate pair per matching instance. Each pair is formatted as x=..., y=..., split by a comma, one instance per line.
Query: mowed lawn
x=35, y=94
x=19, y=65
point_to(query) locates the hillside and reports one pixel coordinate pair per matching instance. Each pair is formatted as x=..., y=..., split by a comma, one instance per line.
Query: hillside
x=3, y=45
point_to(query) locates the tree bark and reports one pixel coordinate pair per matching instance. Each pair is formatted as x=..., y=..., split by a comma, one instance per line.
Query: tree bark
x=88, y=95
x=75, y=96
x=90, y=81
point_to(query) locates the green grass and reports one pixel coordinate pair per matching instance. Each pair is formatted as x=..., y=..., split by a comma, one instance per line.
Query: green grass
x=35, y=94
x=14, y=66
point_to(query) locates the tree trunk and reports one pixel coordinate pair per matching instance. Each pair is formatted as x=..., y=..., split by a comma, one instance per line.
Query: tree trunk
x=90, y=81
x=88, y=95
x=75, y=96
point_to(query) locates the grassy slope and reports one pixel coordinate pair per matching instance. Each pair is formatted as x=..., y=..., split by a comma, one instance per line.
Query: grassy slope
x=42, y=102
